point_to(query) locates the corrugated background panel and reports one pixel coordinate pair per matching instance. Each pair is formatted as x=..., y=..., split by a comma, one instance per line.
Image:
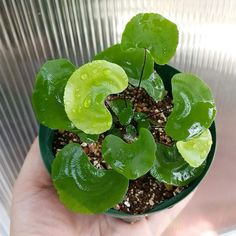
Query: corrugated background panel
x=33, y=31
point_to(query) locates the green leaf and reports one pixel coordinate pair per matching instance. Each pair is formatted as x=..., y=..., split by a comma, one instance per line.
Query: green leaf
x=194, y=107
x=86, y=91
x=153, y=32
x=153, y=86
x=195, y=150
x=130, y=60
x=130, y=134
x=82, y=187
x=170, y=167
x=48, y=93
x=88, y=138
x=131, y=160
x=123, y=110
x=115, y=131
x=141, y=120
x=130, y=129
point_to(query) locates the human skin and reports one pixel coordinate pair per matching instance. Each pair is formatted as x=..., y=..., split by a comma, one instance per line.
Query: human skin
x=36, y=209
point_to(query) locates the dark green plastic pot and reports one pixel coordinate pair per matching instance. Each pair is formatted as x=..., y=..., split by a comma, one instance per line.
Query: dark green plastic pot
x=166, y=72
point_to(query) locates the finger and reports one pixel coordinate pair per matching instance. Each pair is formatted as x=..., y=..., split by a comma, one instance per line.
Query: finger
x=159, y=221
x=120, y=227
x=33, y=172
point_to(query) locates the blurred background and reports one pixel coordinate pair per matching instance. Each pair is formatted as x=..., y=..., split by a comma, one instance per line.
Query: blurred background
x=33, y=31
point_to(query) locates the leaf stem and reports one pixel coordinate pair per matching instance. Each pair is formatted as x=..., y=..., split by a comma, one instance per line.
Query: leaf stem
x=143, y=66
x=132, y=85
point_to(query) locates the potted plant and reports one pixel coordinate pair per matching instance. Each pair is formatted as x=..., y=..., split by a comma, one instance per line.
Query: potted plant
x=125, y=134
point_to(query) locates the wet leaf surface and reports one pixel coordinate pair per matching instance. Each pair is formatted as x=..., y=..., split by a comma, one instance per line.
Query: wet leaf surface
x=48, y=93
x=130, y=60
x=86, y=91
x=131, y=160
x=123, y=110
x=170, y=167
x=194, y=107
x=153, y=86
x=82, y=187
x=153, y=32
x=195, y=150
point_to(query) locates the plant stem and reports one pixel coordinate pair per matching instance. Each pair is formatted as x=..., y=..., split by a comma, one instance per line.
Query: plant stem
x=132, y=85
x=143, y=66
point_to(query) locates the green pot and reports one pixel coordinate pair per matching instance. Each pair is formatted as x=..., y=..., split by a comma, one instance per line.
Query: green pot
x=166, y=72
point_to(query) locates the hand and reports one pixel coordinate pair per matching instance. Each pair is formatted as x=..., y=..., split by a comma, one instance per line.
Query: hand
x=37, y=211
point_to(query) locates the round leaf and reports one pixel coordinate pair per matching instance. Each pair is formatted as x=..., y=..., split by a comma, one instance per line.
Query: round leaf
x=48, y=93
x=86, y=91
x=153, y=86
x=141, y=120
x=82, y=187
x=195, y=151
x=153, y=32
x=130, y=133
x=115, y=131
x=194, y=107
x=169, y=167
x=130, y=60
x=87, y=138
x=131, y=160
x=123, y=110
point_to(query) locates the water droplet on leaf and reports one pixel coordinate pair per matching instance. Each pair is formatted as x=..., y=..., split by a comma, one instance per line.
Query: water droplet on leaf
x=84, y=76
x=87, y=102
x=202, y=155
x=107, y=72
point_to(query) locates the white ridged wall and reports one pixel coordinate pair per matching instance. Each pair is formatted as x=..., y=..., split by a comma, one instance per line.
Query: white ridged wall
x=33, y=31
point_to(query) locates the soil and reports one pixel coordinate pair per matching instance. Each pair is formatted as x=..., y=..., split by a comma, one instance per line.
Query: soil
x=156, y=111
x=146, y=191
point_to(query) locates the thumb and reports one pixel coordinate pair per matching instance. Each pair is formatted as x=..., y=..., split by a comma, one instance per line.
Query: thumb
x=33, y=173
